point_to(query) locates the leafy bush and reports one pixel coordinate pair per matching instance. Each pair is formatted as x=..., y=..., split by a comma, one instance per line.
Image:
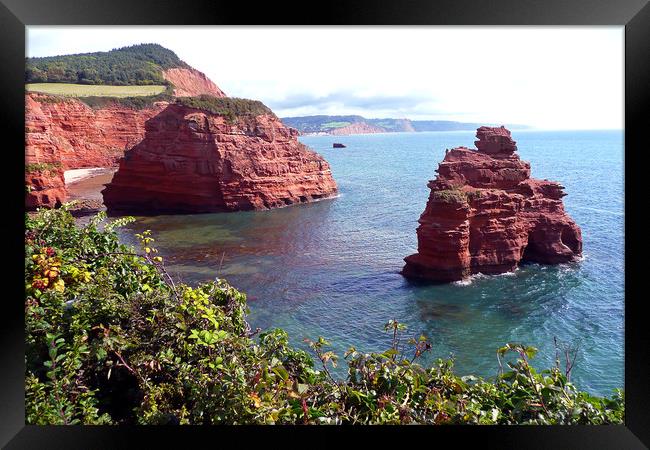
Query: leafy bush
x=473, y=195
x=135, y=65
x=49, y=98
x=111, y=337
x=450, y=196
x=43, y=167
x=137, y=102
x=231, y=107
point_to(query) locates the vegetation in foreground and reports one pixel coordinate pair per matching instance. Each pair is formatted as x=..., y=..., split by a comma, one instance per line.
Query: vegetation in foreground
x=88, y=90
x=111, y=338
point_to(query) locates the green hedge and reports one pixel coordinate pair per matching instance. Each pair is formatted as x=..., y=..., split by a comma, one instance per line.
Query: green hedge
x=231, y=107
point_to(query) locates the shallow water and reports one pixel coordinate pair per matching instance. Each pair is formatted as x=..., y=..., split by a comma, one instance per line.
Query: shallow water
x=331, y=268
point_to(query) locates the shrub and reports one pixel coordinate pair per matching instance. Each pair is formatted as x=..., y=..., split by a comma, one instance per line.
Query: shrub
x=50, y=98
x=43, y=167
x=111, y=337
x=450, y=196
x=473, y=195
x=137, y=102
x=230, y=107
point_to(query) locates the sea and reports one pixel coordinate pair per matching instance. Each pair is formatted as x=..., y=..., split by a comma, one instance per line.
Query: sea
x=332, y=268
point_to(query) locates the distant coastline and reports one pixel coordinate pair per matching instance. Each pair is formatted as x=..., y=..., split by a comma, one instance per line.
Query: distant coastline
x=348, y=125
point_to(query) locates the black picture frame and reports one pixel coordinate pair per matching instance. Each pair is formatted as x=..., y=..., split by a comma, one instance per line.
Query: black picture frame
x=15, y=15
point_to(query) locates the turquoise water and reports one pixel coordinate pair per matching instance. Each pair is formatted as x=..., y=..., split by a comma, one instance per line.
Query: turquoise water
x=331, y=268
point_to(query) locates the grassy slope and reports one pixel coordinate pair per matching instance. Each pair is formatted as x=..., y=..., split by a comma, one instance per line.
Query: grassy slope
x=88, y=90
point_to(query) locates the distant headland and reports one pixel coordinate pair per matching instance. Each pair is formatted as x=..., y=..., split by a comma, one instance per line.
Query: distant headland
x=346, y=125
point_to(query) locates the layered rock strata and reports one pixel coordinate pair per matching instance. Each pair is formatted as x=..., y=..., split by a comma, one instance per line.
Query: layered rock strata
x=65, y=133
x=189, y=82
x=486, y=215
x=356, y=128
x=195, y=161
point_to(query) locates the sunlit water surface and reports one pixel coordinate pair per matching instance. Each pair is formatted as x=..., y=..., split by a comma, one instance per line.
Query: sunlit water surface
x=331, y=268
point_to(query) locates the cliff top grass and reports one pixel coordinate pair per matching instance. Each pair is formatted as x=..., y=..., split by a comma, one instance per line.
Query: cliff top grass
x=91, y=90
x=230, y=107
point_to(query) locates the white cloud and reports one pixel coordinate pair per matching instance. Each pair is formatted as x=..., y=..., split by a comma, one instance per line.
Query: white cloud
x=548, y=77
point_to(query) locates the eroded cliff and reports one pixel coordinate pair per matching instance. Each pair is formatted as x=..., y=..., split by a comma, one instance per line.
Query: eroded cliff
x=189, y=82
x=65, y=133
x=195, y=161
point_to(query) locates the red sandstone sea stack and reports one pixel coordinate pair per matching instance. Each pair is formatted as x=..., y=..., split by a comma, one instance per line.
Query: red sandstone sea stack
x=192, y=160
x=486, y=215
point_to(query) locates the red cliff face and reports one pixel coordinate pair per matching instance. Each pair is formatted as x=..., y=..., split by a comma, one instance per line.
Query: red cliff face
x=356, y=128
x=485, y=215
x=80, y=135
x=191, y=83
x=193, y=161
x=63, y=134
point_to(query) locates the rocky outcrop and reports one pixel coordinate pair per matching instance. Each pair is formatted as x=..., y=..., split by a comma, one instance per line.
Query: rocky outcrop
x=65, y=133
x=78, y=135
x=195, y=161
x=486, y=215
x=45, y=187
x=356, y=128
x=190, y=82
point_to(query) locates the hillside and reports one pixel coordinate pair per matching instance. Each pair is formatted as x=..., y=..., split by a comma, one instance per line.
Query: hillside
x=135, y=65
x=343, y=125
x=318, y=124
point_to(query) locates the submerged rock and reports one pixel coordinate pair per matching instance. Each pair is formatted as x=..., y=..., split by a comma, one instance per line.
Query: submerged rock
x=486, y=215
x=194, y=160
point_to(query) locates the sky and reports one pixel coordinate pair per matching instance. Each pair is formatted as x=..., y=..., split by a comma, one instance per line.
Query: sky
x=543, y=77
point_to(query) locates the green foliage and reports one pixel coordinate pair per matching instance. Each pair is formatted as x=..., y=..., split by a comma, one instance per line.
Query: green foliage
x=135, y=65
x=43, y=167
x=473, y=195
x=230, y=107
x=51, y=99
x=450, y=196
x=111, y=337
x=138, y=102
x=314, y=124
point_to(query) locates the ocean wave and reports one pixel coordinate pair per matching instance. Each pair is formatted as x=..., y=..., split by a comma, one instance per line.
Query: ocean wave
x=469, y=280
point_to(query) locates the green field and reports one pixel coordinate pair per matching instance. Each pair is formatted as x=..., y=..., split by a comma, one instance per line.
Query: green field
x=88, y=90
x=330, y=125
